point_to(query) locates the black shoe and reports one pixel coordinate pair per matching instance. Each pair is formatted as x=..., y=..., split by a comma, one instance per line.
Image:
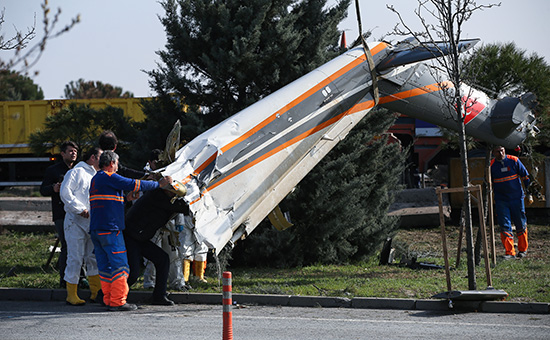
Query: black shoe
x=508, y=257
x=185, y=288
x=125, y=307
x=522, y=254
x=98, y=298
x=163, y=301
x=83, y=283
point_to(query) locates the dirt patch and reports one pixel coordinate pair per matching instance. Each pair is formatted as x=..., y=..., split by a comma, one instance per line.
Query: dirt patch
x=428, y=241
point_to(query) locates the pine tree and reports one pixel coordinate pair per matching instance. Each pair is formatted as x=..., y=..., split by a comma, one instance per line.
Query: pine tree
x=16, y=86
x=82, y=124
x=339, y=210
x=82, y=89
x=503, y=69
x=222, y=56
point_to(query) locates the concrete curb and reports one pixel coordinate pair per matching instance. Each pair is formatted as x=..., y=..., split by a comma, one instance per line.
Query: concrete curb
x=28, y=294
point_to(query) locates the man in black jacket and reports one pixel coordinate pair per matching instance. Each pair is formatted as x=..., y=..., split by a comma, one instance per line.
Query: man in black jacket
x=148, y=214
x=50, y=187
x=108, y=141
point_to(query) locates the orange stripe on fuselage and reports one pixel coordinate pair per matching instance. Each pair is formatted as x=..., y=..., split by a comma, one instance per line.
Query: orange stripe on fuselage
x=378, y=48
x=416, y=92
x=401, y=95
x=356, y=108
x=365, y=105
x=200, y=168
x=359, y=107
x=293, y=103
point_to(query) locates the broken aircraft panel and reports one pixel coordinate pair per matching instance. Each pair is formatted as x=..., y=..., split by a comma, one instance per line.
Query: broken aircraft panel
x=237, y=172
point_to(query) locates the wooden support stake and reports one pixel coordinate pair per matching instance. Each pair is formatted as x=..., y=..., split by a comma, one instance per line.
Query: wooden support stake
x=484, y=237
x=479, y=202
x=52, y=252
x=460, y=237
x=490, y=216
x=444, y=238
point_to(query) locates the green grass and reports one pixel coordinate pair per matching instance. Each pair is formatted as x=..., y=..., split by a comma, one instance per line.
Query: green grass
x=525, y=280
x=26, y=255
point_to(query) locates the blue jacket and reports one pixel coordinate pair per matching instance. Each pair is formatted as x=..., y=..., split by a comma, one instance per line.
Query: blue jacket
x=507, y=176
x=107, y=199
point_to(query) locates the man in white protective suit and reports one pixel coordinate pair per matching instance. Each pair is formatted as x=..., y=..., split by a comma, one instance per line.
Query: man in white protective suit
x=168, y=239
x=191, y=249
x=75, y=194
x=171, y=244
x=178, y=240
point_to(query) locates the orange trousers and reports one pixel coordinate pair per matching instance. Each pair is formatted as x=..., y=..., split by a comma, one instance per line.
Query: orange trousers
x=508, y=242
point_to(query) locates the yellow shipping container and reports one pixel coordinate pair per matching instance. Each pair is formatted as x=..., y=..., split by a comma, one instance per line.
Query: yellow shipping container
x=21, y=118
x=18, y=119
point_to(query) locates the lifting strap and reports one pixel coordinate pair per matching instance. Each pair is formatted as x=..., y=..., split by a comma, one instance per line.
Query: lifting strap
x=368, y=54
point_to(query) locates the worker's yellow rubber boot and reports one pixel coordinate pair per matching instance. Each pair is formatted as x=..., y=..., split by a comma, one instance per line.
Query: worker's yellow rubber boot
x=186, y=270
x=95, y=286
x=200, y=267
x=72, y=296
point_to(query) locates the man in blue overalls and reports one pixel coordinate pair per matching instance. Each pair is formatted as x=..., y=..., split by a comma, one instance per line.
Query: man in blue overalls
x=107, y=224
x=507, y=173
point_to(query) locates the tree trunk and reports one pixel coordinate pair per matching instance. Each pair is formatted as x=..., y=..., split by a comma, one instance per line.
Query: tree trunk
x=477, y=247
x=467, y=209
x=485, y=208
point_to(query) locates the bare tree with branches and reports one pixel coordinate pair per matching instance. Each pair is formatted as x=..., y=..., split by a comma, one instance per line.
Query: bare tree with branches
x=443, y=20
x=26, y=57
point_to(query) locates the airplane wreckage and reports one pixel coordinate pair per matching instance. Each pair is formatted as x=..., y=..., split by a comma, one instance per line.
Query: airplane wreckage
x=235, y=174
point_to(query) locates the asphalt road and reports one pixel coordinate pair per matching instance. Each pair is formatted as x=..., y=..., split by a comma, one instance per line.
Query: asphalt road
x=56, y=320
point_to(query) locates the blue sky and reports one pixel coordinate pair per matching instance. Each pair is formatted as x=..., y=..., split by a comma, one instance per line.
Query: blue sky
x=116, y=40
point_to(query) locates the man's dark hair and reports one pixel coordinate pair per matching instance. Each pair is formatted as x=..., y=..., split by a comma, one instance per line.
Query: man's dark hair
x=108, y=140
x=91, y=152
x=66, y=144
x=106, y=158
x=154, y=156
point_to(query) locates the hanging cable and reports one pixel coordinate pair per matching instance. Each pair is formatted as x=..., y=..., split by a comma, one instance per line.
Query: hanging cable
x=368, y=54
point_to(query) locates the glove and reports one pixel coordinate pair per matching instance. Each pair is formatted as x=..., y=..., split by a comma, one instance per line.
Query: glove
x=534, y=189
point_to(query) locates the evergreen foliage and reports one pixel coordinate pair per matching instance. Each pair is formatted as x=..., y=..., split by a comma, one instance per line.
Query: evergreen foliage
x=82, y=89
x=82, y=125
x=222, y=56
x=16, y=86
x=339, y=210
x=161, y=113
x=506, y=70
x=225, y=55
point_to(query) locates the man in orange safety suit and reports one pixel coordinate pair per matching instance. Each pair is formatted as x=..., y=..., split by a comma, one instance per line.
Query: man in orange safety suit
x=507, y=173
